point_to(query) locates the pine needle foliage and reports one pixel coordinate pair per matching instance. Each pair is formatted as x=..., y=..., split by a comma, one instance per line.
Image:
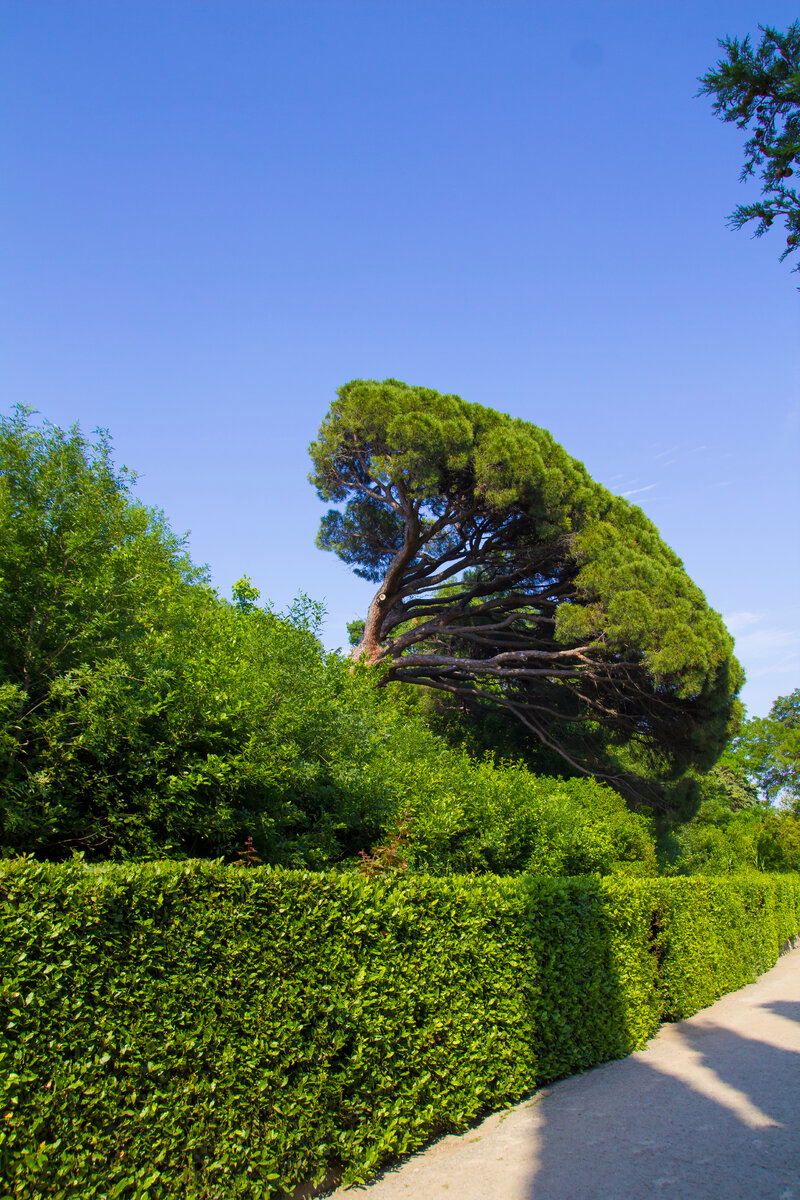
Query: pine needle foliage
x=510, y=578
x=759, y=90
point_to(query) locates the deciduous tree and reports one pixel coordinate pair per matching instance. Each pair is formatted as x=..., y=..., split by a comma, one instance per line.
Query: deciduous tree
x=768, y=751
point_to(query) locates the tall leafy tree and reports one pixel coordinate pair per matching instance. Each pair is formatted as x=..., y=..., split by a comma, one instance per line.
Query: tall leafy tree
x=83, y=566
x=509, y=578
x=767, y=749
x=87, y=574
x=759, y=89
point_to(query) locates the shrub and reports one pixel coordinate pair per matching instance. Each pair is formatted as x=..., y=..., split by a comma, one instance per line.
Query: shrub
x=210, y=1031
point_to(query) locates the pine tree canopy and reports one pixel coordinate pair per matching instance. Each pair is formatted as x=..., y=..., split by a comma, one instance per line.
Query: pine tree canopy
x=510, y=579
x=759, y=90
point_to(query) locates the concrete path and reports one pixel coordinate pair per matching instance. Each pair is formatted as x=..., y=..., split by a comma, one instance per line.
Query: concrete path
x=710, y=1110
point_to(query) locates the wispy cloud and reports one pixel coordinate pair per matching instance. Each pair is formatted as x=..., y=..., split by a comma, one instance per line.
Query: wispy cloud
x=681, y=451
x=766, y=641
x=637, y=491
x=764, y=649
x=737, y=622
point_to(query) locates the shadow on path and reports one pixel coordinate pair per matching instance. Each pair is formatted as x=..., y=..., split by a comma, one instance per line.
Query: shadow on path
x=785, y=1008
x=710, y=1110
x=707, y=1114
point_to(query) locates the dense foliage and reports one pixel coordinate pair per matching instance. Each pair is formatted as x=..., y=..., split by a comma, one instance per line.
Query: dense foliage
x=142, y=715
x=767, y=750
x=719, y=840
x=509, y=578
x=207, y=1030
x=749, y=818
x=759, y=89
x=210, y=1031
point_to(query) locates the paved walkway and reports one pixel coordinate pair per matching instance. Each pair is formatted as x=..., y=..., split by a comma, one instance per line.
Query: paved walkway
x=710, y=1110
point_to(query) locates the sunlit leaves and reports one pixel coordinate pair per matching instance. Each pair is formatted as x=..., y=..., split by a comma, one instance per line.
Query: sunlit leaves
x=210, y=1032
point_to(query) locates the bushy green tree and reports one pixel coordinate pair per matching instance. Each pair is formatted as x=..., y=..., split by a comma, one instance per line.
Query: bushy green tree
x=768, y=751
x=86, y=574
x=759, y=90
x=122, y=727
x=85, y=569
x=510, y=579
x=750, y=811
x=719, y=840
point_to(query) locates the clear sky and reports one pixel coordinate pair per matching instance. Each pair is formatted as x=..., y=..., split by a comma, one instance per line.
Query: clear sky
x=215, y=212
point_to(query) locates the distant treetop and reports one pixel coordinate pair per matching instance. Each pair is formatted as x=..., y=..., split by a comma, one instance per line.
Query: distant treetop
x=760, y=90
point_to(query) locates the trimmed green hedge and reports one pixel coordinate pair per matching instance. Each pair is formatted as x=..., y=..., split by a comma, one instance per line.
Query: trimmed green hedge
x=197, y=1030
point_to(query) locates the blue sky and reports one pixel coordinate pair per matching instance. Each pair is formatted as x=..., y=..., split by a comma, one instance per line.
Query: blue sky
x=216, y=212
